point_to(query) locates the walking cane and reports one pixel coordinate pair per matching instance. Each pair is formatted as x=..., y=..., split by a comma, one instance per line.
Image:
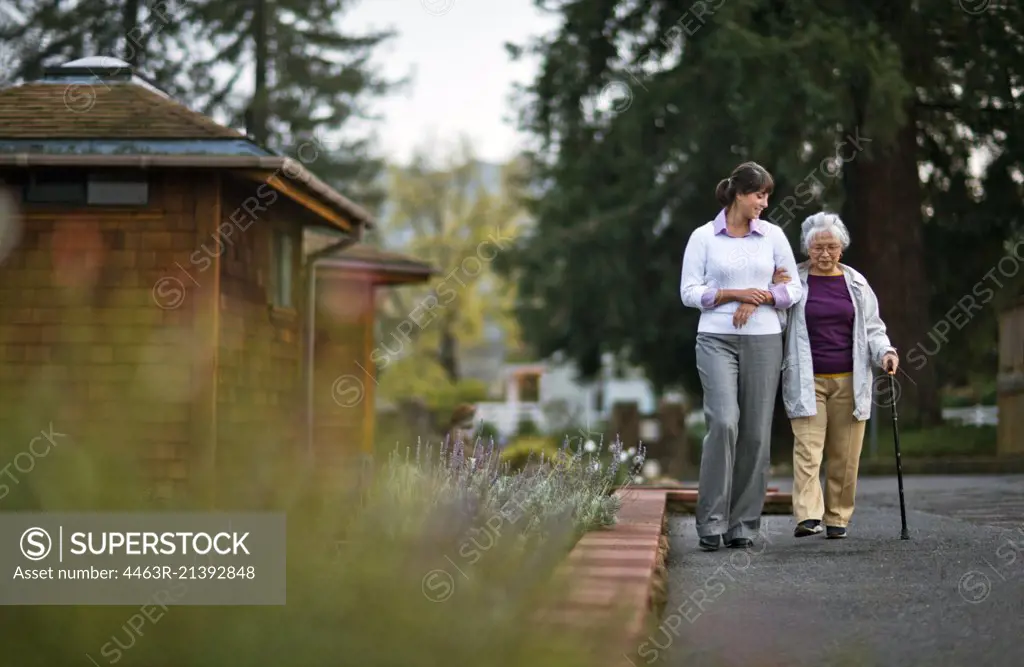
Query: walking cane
x=904, y=534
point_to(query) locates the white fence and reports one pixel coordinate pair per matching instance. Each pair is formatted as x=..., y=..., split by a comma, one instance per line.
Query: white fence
x=978, y=415
x=507, y=416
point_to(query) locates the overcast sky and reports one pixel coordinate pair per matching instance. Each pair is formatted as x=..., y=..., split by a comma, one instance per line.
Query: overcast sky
x=461, y=75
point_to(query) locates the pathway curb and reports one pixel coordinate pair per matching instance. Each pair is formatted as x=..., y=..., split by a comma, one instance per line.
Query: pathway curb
x=623, y=567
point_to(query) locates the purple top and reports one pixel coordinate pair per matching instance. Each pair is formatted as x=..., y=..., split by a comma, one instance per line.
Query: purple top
x=829, y=313
x=782, y=300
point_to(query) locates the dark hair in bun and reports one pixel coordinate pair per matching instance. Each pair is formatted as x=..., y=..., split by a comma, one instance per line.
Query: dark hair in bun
x=746, y=178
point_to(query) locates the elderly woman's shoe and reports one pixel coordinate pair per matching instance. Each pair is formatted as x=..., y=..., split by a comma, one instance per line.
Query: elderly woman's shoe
x=741, y=543
x=710, y=542
x=808, y=527
x=835, y=532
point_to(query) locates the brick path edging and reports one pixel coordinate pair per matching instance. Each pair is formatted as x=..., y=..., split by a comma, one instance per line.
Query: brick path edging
x=623, y=566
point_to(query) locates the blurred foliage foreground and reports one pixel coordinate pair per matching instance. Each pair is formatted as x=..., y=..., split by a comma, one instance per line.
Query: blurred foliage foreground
x=432, y=557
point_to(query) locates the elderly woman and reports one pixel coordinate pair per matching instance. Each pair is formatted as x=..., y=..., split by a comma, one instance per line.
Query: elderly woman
x=834, y=335
x=727, y=271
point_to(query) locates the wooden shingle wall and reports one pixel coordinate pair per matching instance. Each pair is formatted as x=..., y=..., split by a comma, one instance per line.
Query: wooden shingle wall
x=259, y=384
x=84, y=342
x=345, y=375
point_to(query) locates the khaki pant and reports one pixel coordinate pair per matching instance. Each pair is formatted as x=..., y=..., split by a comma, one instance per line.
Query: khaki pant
x=834, y=432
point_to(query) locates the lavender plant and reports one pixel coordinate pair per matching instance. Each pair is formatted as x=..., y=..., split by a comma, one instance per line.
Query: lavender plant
x=572, y=483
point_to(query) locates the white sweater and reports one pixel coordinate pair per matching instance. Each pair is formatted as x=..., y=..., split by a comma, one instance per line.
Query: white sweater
x=714, y=260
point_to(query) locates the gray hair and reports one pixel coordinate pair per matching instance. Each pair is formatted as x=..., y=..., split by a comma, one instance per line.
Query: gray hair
x=823, y=223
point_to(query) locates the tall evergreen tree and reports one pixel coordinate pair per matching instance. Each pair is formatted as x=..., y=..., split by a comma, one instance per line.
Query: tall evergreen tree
x=148, y=34
x=296, y=75
x=640, y=107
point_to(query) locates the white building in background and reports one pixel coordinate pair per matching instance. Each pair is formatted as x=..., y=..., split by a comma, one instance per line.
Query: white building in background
x=548, y=393
x=552, y=396
x=978, y=415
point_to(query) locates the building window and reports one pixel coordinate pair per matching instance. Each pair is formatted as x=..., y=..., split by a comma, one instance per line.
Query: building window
x=283, y=256
x=56, y=187
x=113, y=188
x=529, y=388
x=87, y=188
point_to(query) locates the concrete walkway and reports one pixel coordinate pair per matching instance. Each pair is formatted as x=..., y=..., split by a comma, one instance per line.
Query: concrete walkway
x=951, y=595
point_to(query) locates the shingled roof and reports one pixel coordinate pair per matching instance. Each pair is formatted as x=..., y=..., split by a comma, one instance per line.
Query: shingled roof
x=94, y=108
x=362, y=254
x=386, y=266
x=96, y=112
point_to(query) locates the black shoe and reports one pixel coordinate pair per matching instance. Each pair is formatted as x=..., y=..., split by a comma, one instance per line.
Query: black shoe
x=741, y=543
x=835, y=532
x=808, y=527
x=710, y=542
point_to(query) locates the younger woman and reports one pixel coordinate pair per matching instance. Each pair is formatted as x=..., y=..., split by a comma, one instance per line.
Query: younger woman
x=727, y=273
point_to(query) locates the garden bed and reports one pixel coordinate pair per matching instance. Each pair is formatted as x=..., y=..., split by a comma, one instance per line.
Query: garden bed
x=433, y=557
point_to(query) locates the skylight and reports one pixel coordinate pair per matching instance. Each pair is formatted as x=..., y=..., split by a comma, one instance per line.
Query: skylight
x=102, y=68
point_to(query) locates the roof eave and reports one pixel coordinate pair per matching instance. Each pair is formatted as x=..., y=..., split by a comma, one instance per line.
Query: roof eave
x=343, y=264
x=291, y=168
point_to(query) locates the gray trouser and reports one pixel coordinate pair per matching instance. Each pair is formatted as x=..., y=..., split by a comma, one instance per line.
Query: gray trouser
x=740, y=375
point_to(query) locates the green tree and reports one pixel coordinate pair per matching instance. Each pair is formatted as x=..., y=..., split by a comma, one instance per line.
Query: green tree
x=444, y=214
x=149, y=35
x=641, y=107
x=296, y=75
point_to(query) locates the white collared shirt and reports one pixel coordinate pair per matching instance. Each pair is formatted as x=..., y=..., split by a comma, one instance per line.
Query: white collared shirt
x=713, y=260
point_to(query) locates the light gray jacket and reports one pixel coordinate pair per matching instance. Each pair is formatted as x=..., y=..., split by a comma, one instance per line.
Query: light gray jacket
x=870, y=344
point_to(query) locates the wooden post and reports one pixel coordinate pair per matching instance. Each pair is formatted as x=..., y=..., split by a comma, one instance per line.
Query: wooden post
x=625, y=423
x=675, y=442
x=1010, y=382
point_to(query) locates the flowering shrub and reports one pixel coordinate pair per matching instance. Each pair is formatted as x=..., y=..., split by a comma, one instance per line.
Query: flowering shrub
x=443, y=557
x=525, y=450
x=569, y=483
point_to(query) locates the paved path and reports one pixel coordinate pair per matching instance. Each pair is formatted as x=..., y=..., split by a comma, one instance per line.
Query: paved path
x=982, y=499
x=951, y=595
